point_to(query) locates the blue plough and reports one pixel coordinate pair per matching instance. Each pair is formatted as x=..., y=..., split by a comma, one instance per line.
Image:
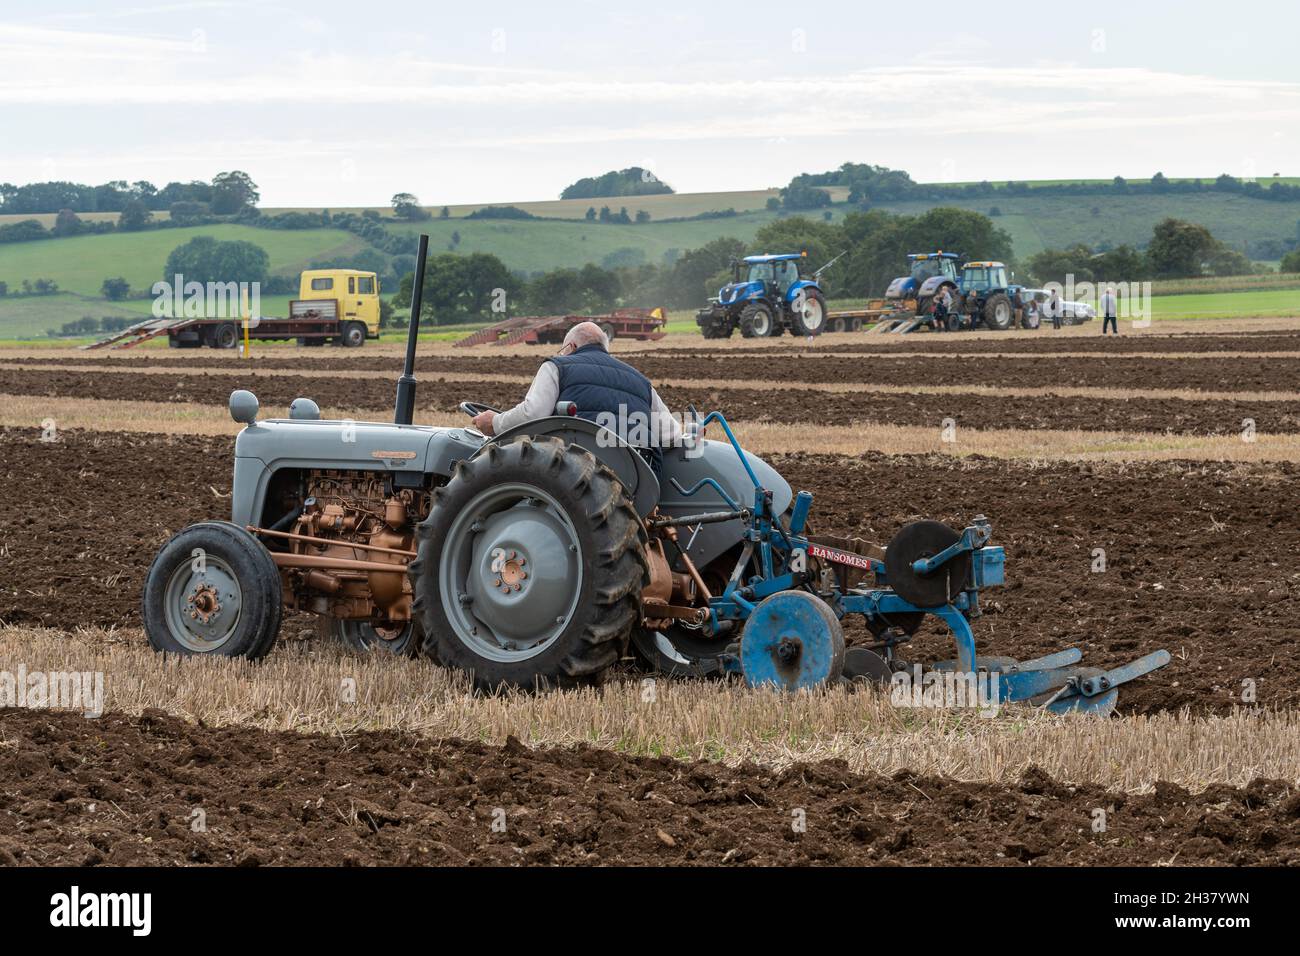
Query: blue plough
x=789, y=611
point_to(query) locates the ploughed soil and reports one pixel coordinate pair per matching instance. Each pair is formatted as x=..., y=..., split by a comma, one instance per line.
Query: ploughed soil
x=1202, y=559
x=784, y=404
x=125, y=791
x=1184, y=343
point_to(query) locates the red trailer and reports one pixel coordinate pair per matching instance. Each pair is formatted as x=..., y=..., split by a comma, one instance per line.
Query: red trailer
x=644, y=325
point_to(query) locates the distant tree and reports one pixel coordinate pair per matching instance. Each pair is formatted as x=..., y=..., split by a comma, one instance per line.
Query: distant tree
x=205, y=259
x=4, y=289
x=1290, y=262
x=406, y=206
x=642, y=216
x=233, y=192
x=42, y=286
x=66, y=223
x=633, y=181
x=1159, y=184
x=799, y=196
x=186, y=211
x=1179, y=249
x=444, y=212
x=591, y=213
x=115, y=290
x=994, y=212
x=455, y=237
x=135, y=215
x=773, y=203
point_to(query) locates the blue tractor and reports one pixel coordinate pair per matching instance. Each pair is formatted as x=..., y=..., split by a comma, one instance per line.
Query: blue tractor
x=766, y=295
x=930, y=272
x=987, y=296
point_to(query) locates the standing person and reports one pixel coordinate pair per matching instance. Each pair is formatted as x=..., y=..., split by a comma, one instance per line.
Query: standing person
x=942, y=303
x=1054, y=309
x=1109, y=316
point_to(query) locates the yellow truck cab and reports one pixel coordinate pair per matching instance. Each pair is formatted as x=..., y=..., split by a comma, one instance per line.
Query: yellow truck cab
x=356, y=294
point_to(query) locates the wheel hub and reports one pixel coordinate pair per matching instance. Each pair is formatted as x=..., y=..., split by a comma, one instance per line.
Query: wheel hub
x=204, y=604
x=513, y=573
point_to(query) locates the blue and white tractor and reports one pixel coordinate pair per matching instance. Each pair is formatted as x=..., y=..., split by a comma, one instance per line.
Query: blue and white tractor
x=930, y=272
x=766, y=295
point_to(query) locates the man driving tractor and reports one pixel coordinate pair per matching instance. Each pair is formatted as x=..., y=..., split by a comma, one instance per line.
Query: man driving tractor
x=604, y=390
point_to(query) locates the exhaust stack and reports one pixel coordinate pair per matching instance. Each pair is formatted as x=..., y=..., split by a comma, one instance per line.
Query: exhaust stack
x=404, y=409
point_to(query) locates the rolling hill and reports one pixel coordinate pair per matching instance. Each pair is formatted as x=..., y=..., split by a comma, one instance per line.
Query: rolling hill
x=565, y=239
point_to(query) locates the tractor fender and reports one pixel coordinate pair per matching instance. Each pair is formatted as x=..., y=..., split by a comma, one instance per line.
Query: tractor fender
x=611, y=451
x=804, y=286
x=901, y=288
x=931, y=286
x=684, y=468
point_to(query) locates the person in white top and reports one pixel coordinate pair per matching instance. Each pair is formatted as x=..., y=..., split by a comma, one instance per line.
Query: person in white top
x=1108, y=311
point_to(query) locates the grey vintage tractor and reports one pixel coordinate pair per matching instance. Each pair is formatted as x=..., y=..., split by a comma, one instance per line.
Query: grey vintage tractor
x=541, y=556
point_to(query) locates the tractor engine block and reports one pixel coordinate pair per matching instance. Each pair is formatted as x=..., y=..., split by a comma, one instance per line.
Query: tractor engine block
x=355, y=520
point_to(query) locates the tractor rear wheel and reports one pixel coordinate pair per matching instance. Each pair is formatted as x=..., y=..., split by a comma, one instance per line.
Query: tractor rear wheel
x=998, y=312
x=212, y=589
x=756, y=321
x=530, y=567
x=808, y=316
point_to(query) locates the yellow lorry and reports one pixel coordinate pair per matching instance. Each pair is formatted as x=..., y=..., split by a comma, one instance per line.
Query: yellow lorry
x=338, y=306
x=345, y=300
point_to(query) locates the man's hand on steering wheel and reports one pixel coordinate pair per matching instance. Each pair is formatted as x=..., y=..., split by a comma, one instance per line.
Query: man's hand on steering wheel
x=482, y=415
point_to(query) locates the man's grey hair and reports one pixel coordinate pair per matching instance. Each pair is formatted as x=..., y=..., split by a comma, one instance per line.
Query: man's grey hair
x=586, y=333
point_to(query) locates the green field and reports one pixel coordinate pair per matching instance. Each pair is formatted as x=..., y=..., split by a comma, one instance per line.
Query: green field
x=530, y=245
x=81, y=263
x=1036, y=223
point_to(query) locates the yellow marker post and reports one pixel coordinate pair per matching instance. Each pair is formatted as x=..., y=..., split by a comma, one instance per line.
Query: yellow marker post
x=244, y=310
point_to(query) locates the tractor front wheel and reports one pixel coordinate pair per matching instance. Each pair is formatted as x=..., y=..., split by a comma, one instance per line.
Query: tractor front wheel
x=756, y=321
x=212, y=589
x=530, y=567
x=808, y=316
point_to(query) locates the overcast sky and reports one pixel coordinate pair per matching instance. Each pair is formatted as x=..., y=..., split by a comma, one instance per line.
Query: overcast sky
x=344, y=103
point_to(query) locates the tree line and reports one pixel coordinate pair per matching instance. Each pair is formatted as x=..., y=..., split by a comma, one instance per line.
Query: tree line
x=868, y=184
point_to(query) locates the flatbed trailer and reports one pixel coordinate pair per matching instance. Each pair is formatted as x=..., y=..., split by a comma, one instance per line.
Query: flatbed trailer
x=310, y=322
x=643, y=325
x=876, y=312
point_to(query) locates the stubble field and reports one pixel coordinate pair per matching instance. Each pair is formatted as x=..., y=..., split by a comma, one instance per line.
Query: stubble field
x=1175, y=454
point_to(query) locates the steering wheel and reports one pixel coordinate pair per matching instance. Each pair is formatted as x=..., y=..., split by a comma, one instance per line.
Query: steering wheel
x=475, y=408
